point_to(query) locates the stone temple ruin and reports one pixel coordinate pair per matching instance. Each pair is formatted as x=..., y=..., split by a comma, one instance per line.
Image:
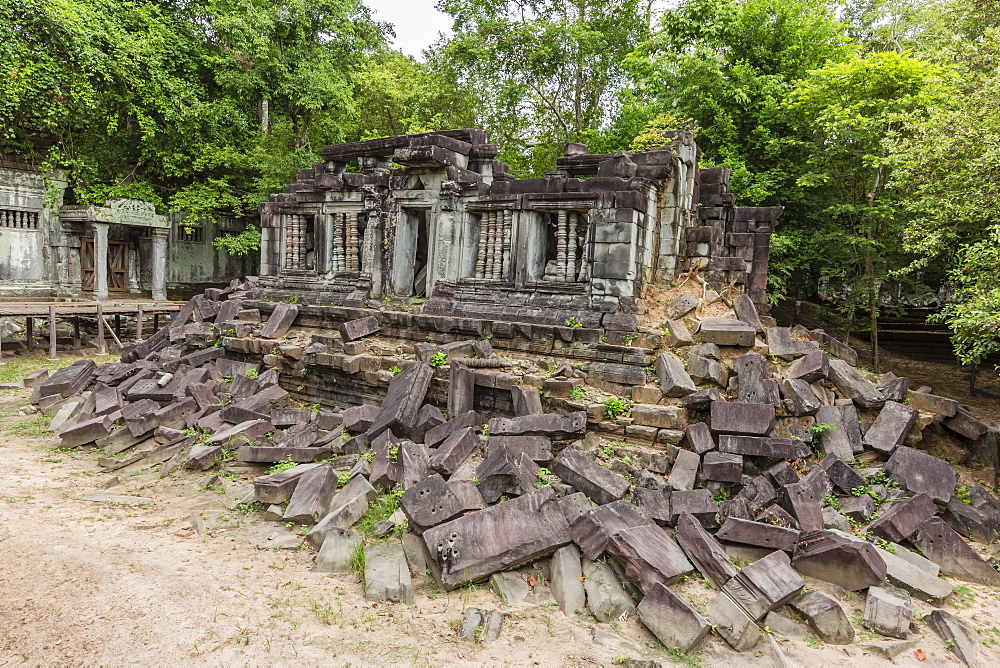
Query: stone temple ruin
x=437, y=215
x=601, y=461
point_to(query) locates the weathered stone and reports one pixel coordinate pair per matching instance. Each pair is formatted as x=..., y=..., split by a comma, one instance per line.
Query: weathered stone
x=681, y=306
x=757, y=533
x=461, y=388
x=455, y=450
x=538, y=448
x=674, y=379
x=511, y=586
x=966, y=424
x=403, y=400
x=676, y=333
x=959, y=636
x=526, y=399
x=765, y=585
x=704, y=370
x=840, y=474
x=858, y=508
x=888, y=612
x=593, y=529
x=800, y=397
x=903, y=518
x=582, y=472
x=649, y=556
x=825, y=616
x=811, y=367
x=428, y=417
x=835, y=520
x=607, y=599
x=698, y=502
x=919, y=582
x=805, y=503
x=280, y=321
x=732, y=623
x=741, y=418
x=664, y=417
x=777, y=448
x=971, y=522
x=203, y=457
x=890, y=649
x=338, y=548
x=758, y=493
x=387, y=577
x=890, y=428
x=270, y=455
x=472, y=547
x=504, y=472
x=358, y=419
x=781, y=344
x=746, y=311
x=482, y=626
x=278, y=487
x=722, y=467
x=438, y=434
x=241, y=433
x=671, y=619
x=777, y=516
x=704, y=551
x=853, y=385
x=699, y=436
x=312, y=495
x=702, y=399
x=567, y=580
x=352, y=330
x=429, y=503
x=346, y=508
x=653, y=503
x=921, y=473
x=557, y=427
x=86, y=431
x=930, y=403
x=685, y=470
x=726, y=332
x=850, y=564
x=942, y=545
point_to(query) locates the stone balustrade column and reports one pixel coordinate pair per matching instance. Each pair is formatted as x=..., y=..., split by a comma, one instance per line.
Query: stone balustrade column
x=100, y=261
x=481, y=254
x=561, y=246
x=159, y=262
x=508, y=226
x=571, y=246
x=351, y=221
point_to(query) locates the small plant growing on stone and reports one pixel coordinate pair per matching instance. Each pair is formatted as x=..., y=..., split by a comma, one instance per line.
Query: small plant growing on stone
x=629, y=338
x=394, y=370
x=613, y=407
x=574, y=323
x=438, y=359
x=832, y=501
x=544, y=479
x=962, y=492
x=883, y=544
x=576, y=394
x=252, y=374
x=721, y=495
x=821, y=428
x=486, y=429
x=283, y=465
x=393, y=452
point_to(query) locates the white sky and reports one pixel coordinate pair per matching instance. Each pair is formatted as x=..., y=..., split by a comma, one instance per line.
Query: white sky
x=416, y=22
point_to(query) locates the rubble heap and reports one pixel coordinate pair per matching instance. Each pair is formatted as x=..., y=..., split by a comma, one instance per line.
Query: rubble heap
x=757, y=441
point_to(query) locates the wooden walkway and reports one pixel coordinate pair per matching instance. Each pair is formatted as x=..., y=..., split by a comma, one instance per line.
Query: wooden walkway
x=136, y=309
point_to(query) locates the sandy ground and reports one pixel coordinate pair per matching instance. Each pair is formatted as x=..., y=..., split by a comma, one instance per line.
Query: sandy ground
x=88, y=583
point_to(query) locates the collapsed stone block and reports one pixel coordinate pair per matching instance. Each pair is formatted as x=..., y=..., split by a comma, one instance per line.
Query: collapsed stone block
x=741, y=418
x=888, y=612
x=826, y=556
x=649, y=556
x=674, y=378
x=854, y=386
x=592, y=530
x=607, y=598
x=824, y=616
x=890, y=428
x=809, y=368
x=704, y=551
x=756, y=533
x=582, y=472
x=387, y=577
x=765, y=585
x=726, y=332
x=921, y=473
x=942, y=545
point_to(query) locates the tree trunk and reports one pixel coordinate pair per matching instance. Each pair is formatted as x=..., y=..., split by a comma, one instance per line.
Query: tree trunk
x=263, y=114
x=973, y=372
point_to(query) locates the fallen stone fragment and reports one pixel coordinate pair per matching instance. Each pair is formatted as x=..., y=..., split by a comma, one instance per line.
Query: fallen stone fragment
x=347, y=507
x=352, y=330
x=86, y=431
x=921, y=473
x=781, y=344
x=120, y=499
x=765, y=585
x=858, y=508
x=674, y=378
x=429, y=503
x=746, y=311
x=854, y=386
x=203, y=457
x=704, y=370
x=726, y=332
x=278, y=487
x=567, y=580
x=826, y=556
x=942, y=545
x=455, y=450
x=742, y=418
x=971, y=522
x=758, y=493
x=280, y=321
x=556, y=427
x=966, y=424
x=759, y=534
x=783, y=626
x=959, y=636
x=338, y=548
x=436, y=435
x=834, y=520
x=653, y=503
x=841, y=474
x=890, y=649
x=481, y=626
x=526, y=400
x=777, y=516
x=593, y=529
x=503, y=472
x=800, y=397
x=722, y=467
x=649, y=556
x=242, y=433
x=925, y=401
x=607, y=599
x=704, y=551
x=702, y=399
x=903, y=518
x=676, y=333
x=538, y=448
x=700, y=437
x=510, y=586
x=811, y=367
x=685, y=470
x=473, y=546
x=313, y=493
x=619, y=645
x=804, y=502
x=777, y=448
x=732, y=623
x=890, y=428
x=888, y=612
x=358, y=419
x=387, y=577
x=700, y=503
x=402, y=402
x=671, y=619
x=681, y=306
x=921, y=583
x=582, y=472
x=825, y=616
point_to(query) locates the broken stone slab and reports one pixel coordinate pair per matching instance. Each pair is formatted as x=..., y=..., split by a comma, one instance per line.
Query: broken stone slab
x=930, y=403
x=888, y=612
x=352, y=330
x=242, y=433
x=616, y=643
x=703, y=370
x=592, y=530
x=890, y=428
x=722, y=467
x=526, y=400
x=742, y=418
x=455, y=450
x=358, y=419
x=699, y=436
x=858, y=508
x=732, y=623
x=890, y=649
x=414, y=461
x=313, y=493
x=781, y=344
x=567, y=580
x=473, y=546
x=958, y=635
x=461, y=388
x=704, y=551
x=971, y=522
x=607, y=598
x=403, y=400
x=946, y=548
x=338, y=548
x=662, y=417
x=280, y=321
x=684, y=472
x=824, y=616
x=86, y=431
x=671, y=619
x=481, y=626
x=921, y=473
x=681, y=306
x=799, y=397
x=966, y=424
x=757, y=533
x=556, y=427
x=811, y=367
x=805, y=503
x=203, y=457
x=387, y=577
x=746, y=311
x=835, y=520
x=429, y=503
x=504, y=472
x=428, y=417
x=438, y=434
x=273, y=454
x=903, y=518
x=854, y=386
x=765, y=585
x=278, y=487
x=841, y=474
x=919, y=582
x=347, y=507
x=758, y=493
x=698, y=502
x=674, y=378
x=653, y=503
x=895, y=388
x=756, y=446
x=778, y=516
x=385, y=465
x=582, y=472
x=702, y=399
x=676, y=333
x=726, y=332
x=826, y=556
x=120, y=499
x=649, y=556
x=538, y=448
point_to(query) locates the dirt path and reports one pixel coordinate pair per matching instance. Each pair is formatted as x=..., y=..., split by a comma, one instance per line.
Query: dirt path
x=87, y=583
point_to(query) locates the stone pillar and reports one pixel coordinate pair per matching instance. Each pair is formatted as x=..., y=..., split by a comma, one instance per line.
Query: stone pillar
x=481, y=253
x=508, y=228
x=561, y=246
x=159, y=260
x=100, y=262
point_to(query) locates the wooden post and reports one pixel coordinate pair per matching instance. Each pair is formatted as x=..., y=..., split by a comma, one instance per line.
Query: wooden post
x=52, y=332
x=30, y=329
x=138, y=325
x=102, y=347
x=118, y=325
x=77, y=341
x=156, y=323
